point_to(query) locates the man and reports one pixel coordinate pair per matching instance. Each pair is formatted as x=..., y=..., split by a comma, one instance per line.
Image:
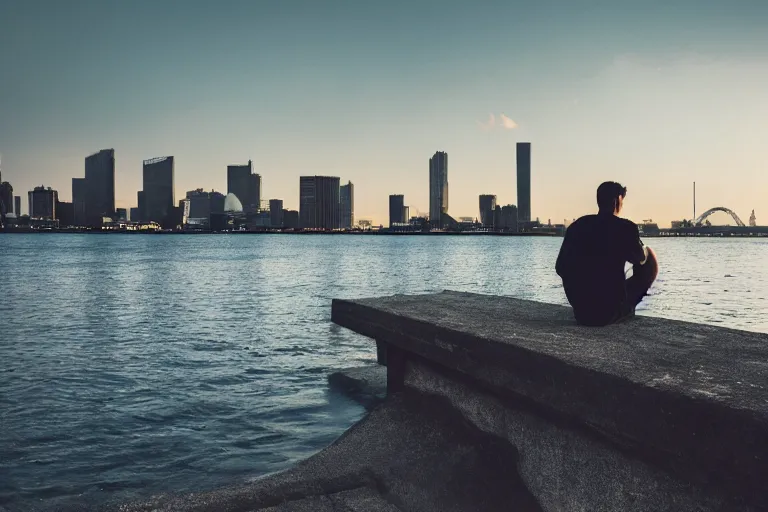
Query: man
x=592, y=259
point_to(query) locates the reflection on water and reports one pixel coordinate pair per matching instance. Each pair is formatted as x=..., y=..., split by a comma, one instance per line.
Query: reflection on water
x=138, y=364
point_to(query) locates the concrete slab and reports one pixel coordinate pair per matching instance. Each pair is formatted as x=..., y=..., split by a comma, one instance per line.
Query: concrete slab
x=689, y=398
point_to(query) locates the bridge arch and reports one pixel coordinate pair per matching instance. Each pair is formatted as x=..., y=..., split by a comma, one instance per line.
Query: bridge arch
x=701, y=218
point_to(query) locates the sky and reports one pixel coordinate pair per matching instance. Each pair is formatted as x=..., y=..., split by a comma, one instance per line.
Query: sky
x=654, y=94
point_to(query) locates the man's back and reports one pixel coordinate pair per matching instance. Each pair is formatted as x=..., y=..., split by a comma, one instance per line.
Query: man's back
x=591, y=263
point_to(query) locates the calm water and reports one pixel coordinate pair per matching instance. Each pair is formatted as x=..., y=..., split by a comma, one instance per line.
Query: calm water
x=131, y=365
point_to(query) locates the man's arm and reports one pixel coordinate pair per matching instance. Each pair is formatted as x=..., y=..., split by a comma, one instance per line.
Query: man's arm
x=563, y=259
x=636, y=252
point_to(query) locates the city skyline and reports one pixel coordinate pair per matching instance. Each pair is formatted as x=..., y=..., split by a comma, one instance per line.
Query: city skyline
x=655, y=96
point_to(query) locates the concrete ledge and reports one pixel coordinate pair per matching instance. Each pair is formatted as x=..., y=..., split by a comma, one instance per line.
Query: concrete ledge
x=688, y=400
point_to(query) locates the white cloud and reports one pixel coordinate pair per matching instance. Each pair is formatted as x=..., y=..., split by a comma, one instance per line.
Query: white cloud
x=489, y=124
x=507, y=123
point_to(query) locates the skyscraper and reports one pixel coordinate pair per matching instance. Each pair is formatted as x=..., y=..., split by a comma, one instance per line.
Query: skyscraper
x=79, y=202
x=397, y=210
x=245, y=185
x=17, y=206
x=438, y=188
x=99, y=187
x=487, y=207
x=524, y=181
x=6, y=198
x=42, y=203
x=159, y=195
x=276, y=213
x=319, y=202
x=347, y=206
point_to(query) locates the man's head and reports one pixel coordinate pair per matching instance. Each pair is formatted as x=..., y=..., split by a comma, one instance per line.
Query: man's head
x=610, y=197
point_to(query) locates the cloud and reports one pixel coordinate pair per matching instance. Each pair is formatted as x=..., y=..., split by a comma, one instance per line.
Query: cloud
x=507, y=123
x=489, y=124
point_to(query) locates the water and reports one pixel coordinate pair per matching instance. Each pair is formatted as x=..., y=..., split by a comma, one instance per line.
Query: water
x=132, y=365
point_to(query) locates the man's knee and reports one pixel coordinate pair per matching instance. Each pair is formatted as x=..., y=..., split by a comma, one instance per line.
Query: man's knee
x=650, y=269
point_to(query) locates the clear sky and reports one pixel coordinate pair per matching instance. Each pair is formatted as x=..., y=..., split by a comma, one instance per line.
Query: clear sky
x=655, y=94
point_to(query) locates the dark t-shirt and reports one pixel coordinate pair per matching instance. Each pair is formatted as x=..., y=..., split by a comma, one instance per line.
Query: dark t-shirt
x=591, y=263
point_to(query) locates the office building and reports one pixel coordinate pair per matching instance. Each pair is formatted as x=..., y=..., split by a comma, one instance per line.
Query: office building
x=121, y=215
x=319, y=202
x=347, y=206
x=217, y=202
x=290, y=219
x=245, y=185
x=6, y=198
x=65, y=214
x=141, y=206
x=506, y=218
x=99, y=187
x=276, y=213
x=438, y=188
x=17, y=206
x=198, y=205
x=406, y=214
x=487, y=208
x=524, y=181
x=159, y=197
x=397, y=214
x=79, y=201
x=134, y=214
x=42, y=203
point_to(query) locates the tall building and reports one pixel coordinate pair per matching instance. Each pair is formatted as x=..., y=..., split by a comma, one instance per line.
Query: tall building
x=99, y=187
x=159, y=196
x=487, y=207
x=134, y=214
x=290, y=219
x=438, y=188
x=217, y=202
x=121, y=214
x=347, y=206
x=524, y=181
x=65, y=214
x=505, y=218
x=397, y=210
x=142, y=204
x=245, y=185
x=199, y=205
x=6, y=198
x=17, y=206
x=79, y=201
x=42, y=203
x=319, y=202
x=276, y=213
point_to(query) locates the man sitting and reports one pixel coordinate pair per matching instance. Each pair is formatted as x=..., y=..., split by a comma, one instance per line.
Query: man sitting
x=593, y=257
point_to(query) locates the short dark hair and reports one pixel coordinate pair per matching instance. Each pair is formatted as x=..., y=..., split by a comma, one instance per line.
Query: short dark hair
x=608, y=193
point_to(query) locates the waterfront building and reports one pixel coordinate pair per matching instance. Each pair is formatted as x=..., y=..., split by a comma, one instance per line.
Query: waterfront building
x=524, y=181
x=65, y=214
x=121, y=215
x=158, y=193
x=79, y=201
x=290, y=219
x=99, y=187
x=6, y=198
x=134, y=213
x=198, y=206
x=487, y=208
x=506, y=218
x=347, y=206
x=438, y=188
x=246, y=185
x=397, y=213
x=42, y=203
x=17, y=206
x=319, y=202
x=276, y=213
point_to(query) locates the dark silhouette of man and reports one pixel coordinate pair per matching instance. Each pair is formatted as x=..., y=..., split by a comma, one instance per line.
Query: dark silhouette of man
x=593, y=257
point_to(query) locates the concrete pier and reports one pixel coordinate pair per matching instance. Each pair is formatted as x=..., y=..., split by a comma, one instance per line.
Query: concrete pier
x=498, y=404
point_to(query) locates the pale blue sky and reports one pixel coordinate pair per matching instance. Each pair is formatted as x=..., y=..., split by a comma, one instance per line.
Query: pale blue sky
x=654, y=94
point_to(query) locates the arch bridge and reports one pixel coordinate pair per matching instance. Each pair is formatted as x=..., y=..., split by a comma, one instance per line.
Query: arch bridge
x=701, y=218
